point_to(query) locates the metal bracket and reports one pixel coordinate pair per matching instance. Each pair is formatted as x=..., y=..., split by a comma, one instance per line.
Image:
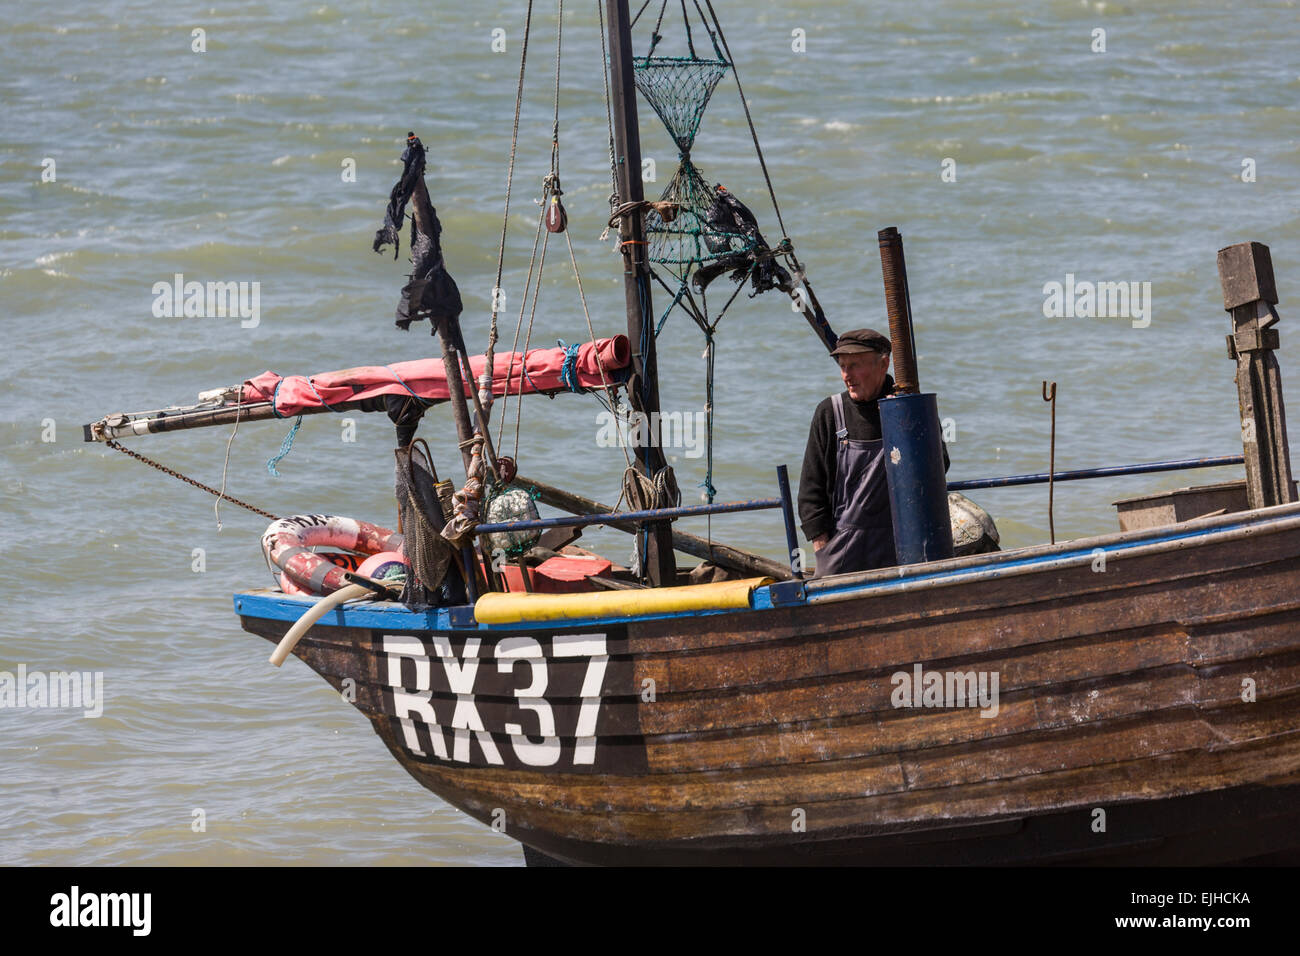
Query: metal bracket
x=786, y=593
x=461, y=616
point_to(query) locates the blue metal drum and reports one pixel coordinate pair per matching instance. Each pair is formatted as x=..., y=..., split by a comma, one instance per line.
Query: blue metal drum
x=918, y=488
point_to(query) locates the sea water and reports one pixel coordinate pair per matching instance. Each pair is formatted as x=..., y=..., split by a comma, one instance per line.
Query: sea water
x=1013, y=145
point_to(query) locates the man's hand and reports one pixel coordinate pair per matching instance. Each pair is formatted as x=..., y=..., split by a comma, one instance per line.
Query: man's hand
x=820, y=542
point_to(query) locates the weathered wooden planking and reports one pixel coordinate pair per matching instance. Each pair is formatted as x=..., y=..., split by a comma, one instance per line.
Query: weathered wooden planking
x=1147, y=581
x=869, y=722
x=1230, y=825
x=852, y=643
x=893, y=729
x=1179, y=735
x=1111, y=784
x=908, y=731
x=784, y=697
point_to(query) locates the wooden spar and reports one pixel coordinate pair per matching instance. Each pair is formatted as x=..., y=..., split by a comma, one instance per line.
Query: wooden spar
x=449, y=335
x=124, y=425
x=733, y=559
x=481, y=413
x=658, y=562
x=812, y=312
x=1249, y=294
x=207, y=414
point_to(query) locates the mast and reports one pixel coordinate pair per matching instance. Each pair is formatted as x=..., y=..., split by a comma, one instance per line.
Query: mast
x=657, y=556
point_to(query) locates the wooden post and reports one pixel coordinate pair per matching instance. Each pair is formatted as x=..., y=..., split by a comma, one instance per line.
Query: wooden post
x=1249, y=294
x=658, y=562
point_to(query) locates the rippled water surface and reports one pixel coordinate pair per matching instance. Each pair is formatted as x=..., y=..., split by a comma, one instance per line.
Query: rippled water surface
x=226, y=165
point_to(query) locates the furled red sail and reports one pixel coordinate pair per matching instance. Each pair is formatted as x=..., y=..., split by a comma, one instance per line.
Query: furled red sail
x=542, y=370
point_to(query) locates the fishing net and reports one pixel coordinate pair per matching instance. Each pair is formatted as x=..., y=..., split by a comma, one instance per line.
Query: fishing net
x=696, y=233
x=690, y=239
x=678, y=89
x=515, y=504
x=687, y=229
x=428, y=551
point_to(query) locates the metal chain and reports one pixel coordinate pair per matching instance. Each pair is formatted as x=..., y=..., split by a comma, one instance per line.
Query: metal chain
x=185, y=478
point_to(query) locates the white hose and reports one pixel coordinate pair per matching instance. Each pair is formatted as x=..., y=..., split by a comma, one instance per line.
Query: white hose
x=318, y=610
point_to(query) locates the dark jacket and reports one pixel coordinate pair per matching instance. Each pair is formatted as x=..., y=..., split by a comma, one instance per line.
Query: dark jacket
x=817, y=479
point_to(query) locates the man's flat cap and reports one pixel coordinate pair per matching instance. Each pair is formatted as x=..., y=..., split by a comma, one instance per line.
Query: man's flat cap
x=861, y=340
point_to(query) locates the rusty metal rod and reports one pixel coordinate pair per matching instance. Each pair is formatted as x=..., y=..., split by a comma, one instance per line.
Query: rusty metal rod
x=898, y=304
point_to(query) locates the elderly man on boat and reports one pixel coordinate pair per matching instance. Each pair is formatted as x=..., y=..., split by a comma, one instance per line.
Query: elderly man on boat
x=843, y=496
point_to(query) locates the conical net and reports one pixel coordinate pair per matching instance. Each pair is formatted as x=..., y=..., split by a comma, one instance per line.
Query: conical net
x=678, y=89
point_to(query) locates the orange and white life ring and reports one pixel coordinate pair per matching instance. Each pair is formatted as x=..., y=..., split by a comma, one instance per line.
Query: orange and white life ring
x=287, y=544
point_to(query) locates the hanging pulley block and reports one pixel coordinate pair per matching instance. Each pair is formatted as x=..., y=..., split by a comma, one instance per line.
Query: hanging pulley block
x=557, y=220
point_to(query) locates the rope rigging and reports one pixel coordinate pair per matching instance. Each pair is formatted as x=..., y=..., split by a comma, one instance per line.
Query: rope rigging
x=505, y=216
x=694, y=234
x=552, y=220
x=687, y=229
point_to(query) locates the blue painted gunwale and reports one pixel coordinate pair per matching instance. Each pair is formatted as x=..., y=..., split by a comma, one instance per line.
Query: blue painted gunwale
x=393, y=617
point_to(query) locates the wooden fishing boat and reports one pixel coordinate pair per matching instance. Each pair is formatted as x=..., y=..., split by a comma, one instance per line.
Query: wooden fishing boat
x=1148, y=709
x=1131, y=697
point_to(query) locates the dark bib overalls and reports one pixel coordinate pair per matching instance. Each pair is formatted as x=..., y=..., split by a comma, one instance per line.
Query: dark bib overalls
x=864, y=530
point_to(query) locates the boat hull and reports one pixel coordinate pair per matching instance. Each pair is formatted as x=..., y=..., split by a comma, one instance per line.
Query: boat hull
x=1140, y=702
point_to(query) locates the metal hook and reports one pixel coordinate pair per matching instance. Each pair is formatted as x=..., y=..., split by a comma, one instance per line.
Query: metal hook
x=1052, y=396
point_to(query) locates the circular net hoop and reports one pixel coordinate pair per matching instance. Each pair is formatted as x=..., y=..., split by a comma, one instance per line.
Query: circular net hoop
x=678, y=89
x=689, y=238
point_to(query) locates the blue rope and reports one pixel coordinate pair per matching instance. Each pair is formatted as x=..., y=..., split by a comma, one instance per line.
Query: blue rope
x=569, y=369
x=523, y=370
x=275, y=394
x=643, y=299
x=681, y=291
x=285, y=447
x=403, y=384
x=319, y=396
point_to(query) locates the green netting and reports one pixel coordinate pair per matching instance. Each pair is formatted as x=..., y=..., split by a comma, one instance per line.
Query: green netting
x=689, y=238
x=678, y=89
x=512, y=504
